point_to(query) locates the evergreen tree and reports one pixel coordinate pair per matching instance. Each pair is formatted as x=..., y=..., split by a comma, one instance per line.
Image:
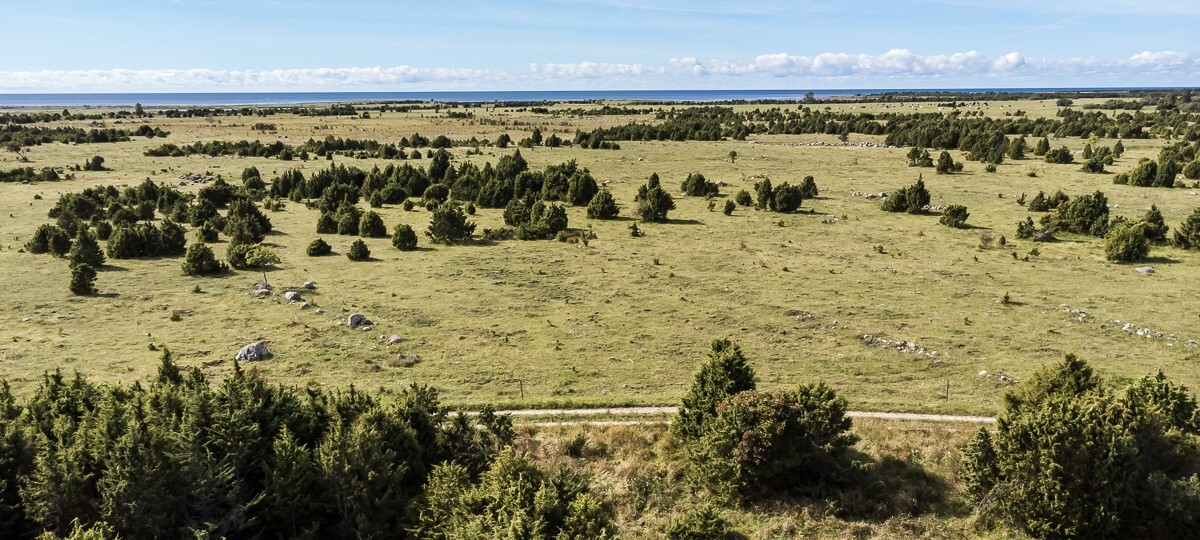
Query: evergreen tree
x=85, y=251
x=1043, y=146
x=358, y=251
x=199, y=260
x=725, y=373
x=603, y=206
x=83, y=279
x=449, y=225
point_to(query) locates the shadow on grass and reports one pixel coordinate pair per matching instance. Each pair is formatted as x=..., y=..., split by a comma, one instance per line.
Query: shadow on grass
x=112, y=268
x=683, y=222
x=1158, y=259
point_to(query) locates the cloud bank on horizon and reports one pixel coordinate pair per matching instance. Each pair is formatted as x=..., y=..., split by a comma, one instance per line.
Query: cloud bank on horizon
x=896, y=68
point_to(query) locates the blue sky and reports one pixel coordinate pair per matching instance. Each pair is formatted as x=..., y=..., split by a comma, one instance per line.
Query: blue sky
x=277, y=45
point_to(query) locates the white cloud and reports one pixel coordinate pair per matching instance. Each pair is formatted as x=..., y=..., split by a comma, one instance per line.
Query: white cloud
x=896, y=66
x=592, y=70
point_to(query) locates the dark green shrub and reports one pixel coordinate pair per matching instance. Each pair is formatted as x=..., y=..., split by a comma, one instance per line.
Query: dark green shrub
x=1192, y=170
x=449, y=225
x=744, y=198
x=725, y=373
x=808, y=189
x=200, y=261
x=765, y=195
x=1026, y=229
x=103, y=230
x=1187, y=234
x=436, y=192
x=470, y=209
x=173, y=239
x=83, y=280
x=945, y=163
x=919, y=157
x=912, y=199
x=979, y=466
x=207, y=232
x=1075, y=461
x=582, y=188
x=1060, y=155
x=326, y=224
x=40, y=241
x=1039, y=203
x=1154, y=226
x=242, y=256
x=695, y=185
x=654, y=203
x=786, y=198
x=990, y=167
x=516, y=213
x=1043, y=146
x=517, y=496
x=408, y=205
x=729, y=207
x=348, y=224
x=603, y=206
x=319, y=247
x=955, y=215
x=552, y=217
x=371, y=226
x=1127, y=244
x=358, y=251
x=85, y=251
x=404, y=238
x=1086, y=214
x=784, y=441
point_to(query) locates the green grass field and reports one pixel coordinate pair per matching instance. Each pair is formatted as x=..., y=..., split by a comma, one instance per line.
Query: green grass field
x=626, y=320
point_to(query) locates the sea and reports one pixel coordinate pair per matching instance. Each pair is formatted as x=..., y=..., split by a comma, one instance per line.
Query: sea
x=228, y=99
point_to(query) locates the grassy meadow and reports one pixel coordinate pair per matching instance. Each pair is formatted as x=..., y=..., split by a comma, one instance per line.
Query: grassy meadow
x=626, y=320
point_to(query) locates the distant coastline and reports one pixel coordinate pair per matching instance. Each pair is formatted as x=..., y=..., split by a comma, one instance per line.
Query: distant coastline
x=218, y=99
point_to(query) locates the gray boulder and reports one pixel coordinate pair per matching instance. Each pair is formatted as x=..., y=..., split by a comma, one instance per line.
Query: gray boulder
x=310, y=285
x=359, y=320
x=253, y=352
x=291, y=296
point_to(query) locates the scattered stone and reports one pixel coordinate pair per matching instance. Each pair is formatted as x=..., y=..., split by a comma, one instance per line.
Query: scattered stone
x=1145, y=269
x=262, y=292
x=358, y=320
x=983, y=373
x=900, y=345
x=26, y=319
x=303, y=305
x=320, y=311
x=291, y=296
x=310, y=285
x=253, y=352
x=368, y=328
x=394, y=339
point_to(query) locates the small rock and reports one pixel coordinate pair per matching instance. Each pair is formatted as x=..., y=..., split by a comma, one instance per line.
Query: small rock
x=310, y=285
x=291, y=296
x=253, y=352
x=26, y=319
x=394, y=339
x=368, y=328
x=303, y=305
x=320, y=311
x=261, y=292
x=1145, y=269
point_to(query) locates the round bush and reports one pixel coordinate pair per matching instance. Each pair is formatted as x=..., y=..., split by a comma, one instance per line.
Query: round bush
x=83, y=280
x=319, y=247
x=358, y=251
x=200, y=261
x=405, y=238
x=371, y=226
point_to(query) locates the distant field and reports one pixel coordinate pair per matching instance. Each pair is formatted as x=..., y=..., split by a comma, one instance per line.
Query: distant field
x=627, y=320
